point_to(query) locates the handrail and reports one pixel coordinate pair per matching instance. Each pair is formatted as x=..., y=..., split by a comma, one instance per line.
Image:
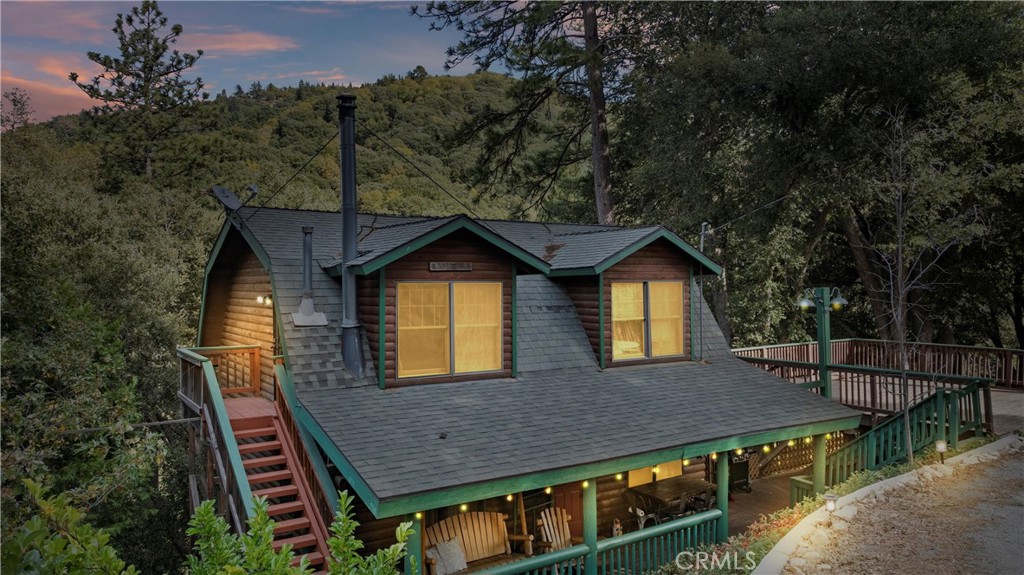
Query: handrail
x=538, y=562
x=937, y=377
x=230, y=444
x=661, y=529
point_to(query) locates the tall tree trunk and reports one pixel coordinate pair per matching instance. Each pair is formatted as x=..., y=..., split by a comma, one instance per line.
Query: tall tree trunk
x=868, y=277
x=598, y=117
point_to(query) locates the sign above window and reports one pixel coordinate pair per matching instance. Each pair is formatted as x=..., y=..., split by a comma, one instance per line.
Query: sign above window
x=451, y=266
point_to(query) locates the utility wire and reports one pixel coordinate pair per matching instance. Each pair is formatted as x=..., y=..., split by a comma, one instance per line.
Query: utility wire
x=278, y=190
x=734, y=220
x=418, y=169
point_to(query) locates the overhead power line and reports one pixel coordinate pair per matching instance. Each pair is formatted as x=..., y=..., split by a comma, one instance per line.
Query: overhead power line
x=284, y=185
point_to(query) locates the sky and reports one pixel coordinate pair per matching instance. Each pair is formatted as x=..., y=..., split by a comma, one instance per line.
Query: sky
x=242, y=42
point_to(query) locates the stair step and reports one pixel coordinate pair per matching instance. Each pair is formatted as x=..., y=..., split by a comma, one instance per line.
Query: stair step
x=270, y=476
x=289, y=525
x=256, y=432
x=297, y=542
x=257, y=447
x=314, y=559
x=274, y=492
x=268, y=461
x=285, y=508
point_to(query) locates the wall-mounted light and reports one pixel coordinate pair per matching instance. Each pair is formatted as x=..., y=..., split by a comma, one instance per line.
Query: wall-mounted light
x=941, y=447
x=265, y=300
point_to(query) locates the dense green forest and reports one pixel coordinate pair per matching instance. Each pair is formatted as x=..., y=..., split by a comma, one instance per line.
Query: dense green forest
x=806, y=135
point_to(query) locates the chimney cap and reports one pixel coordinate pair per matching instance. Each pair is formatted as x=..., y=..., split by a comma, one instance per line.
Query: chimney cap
x=347, y=100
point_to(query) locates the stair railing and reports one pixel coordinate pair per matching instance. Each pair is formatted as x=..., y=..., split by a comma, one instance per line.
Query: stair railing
x=200, y=394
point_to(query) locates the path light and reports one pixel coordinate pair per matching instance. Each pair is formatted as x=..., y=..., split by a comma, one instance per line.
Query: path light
x=831, y=501
x=941, y=446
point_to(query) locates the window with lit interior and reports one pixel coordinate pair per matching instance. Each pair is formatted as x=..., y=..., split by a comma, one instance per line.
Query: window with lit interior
x=647, y=319
x=447, y=328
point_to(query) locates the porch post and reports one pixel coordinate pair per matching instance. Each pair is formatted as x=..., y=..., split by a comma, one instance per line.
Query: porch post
x=414, y=546
x=722, y=471
x=818, y=466
x=590, y=526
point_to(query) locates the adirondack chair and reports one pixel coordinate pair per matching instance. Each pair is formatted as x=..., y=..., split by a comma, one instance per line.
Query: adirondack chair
x=553, y=528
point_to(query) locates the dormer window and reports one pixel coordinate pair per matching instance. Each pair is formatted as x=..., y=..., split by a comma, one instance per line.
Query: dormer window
x=647, y=319
x=447, y=328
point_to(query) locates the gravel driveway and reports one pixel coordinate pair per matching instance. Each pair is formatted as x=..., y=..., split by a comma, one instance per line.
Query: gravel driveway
x=968, y=521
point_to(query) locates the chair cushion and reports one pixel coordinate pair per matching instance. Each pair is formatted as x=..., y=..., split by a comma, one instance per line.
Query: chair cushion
x=448, y=556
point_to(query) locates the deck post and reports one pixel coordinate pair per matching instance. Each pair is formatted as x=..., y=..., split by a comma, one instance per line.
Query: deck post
x=722, y=471
x=818, y=466
x=414, y=546
x=590, y=526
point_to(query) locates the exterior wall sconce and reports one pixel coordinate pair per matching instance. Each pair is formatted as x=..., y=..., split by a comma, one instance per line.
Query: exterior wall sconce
x=264, y=300
x=823, y=300
x=941, y=446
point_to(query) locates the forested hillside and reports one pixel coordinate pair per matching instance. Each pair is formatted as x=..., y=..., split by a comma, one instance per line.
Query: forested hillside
x=814, y=139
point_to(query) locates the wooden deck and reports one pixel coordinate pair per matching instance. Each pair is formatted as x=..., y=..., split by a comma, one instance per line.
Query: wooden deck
x=768, y=495
x=248, y=407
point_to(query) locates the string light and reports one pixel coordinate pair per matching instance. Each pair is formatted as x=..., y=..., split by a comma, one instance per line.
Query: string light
x=508, y=497
x=586, y=484
x=686, y=462
x=463, y=508
x=714, y=457
x=419, y=515
x=618, y=477
x=766, y=449
x=547, y=491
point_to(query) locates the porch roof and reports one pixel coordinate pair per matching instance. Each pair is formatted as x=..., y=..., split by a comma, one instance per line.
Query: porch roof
x=420, y=439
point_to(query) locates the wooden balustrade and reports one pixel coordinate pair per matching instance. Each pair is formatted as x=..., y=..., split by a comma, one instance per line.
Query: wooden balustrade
x=200, y=395
x=1005, y=367
x=237, y=367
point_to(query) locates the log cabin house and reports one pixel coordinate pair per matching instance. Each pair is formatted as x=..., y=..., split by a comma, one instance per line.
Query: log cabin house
x=464, y=375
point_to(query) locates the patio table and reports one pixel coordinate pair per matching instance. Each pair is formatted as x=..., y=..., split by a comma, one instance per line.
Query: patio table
x=669, y=495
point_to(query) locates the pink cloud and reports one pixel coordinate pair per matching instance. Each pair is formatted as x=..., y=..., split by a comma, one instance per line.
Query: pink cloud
x=235, y=42
x=66, y=22
x=48, y=98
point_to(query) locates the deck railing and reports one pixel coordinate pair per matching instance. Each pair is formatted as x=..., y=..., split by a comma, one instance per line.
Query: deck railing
x=1005, y=367
x=941, y=415
x=237, y=367
x=313, y=469
x=200, y=395
x=634, y=553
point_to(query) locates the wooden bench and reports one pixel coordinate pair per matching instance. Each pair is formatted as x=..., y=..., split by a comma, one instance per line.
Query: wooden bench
x=483, y=536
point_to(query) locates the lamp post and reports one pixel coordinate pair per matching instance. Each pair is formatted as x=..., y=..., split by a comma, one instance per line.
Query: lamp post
x=824, y=301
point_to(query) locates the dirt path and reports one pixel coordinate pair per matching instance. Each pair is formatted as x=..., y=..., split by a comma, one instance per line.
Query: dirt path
x=969, y=521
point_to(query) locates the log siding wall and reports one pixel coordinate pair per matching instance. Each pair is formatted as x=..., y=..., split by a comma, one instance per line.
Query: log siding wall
x=660, y=261
x=489, y=264
x=232, y=316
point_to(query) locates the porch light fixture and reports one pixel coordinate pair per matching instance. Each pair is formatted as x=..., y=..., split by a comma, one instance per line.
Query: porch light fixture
x=419, y=515
x=823, y=300
x=547, y=491
x=714, y=457
x=264, y=300
x=686, y=462
x=941, y=446
x=739, y=451
x=618, y=477
x=508, y=497
x=463, y=508
x=586, y=484
x=831, y=500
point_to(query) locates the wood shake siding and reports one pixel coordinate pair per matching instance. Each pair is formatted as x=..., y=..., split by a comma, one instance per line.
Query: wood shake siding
x=489, y=264
x=657, y=262
x=232, y=316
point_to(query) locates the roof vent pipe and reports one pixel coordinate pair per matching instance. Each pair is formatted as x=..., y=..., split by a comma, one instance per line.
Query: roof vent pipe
x=307, y=316
x=351, y=347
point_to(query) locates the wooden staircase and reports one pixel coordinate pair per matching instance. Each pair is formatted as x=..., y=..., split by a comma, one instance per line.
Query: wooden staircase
x=273, y=472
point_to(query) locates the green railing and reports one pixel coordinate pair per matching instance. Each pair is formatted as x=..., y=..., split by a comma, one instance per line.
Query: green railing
x=941, y=415
x=634, y=553
x=200, y=394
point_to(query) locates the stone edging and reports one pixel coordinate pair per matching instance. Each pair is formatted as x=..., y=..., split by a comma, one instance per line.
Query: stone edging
x=776, y=559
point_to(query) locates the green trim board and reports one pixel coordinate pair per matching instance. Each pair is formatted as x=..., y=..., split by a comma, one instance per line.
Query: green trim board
x=693, y=323
x=382, y=308
x=600, y=320
x=319, y=467
x=515, y=345
x=459, y=223
x=540, y=480
x=210, y=262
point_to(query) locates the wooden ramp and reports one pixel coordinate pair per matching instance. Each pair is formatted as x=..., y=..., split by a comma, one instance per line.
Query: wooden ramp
x=272, y=467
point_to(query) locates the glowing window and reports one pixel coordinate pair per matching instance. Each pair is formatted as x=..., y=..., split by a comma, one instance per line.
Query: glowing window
x=448, y=327
x=647, y=319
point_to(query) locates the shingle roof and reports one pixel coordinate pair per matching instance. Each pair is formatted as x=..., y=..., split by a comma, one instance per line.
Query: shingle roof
x=549, y=420
x=549, y=333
